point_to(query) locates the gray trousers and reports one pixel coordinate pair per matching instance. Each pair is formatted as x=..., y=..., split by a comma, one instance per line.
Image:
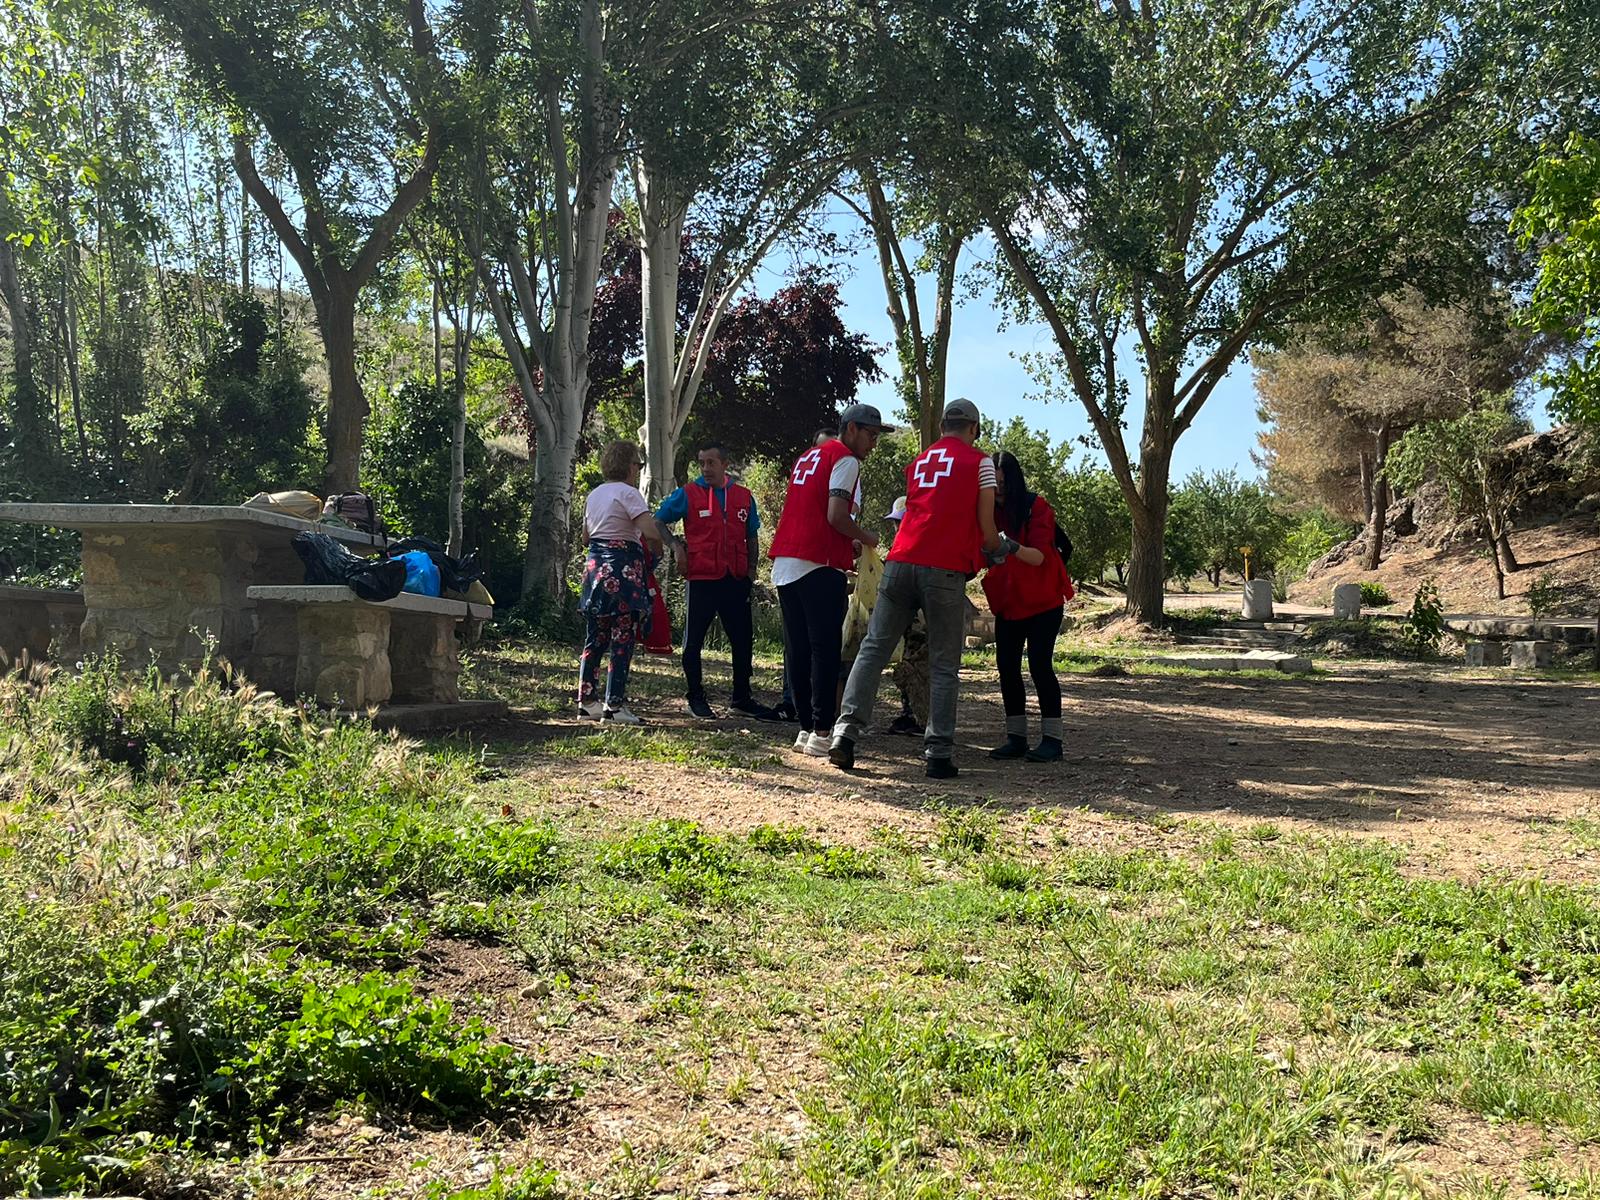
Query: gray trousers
x=904, y=591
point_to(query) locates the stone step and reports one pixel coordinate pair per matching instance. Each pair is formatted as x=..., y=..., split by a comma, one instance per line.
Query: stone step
x=1230, y=638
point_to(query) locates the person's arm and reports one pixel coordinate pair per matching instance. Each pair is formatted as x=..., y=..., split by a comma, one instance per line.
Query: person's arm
x=752, y=529
x=997, y=546
x=842, y=522
x=673, y=509
x=650, y=532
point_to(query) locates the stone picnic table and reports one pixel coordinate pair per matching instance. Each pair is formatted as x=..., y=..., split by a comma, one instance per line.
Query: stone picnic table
x=160, y=579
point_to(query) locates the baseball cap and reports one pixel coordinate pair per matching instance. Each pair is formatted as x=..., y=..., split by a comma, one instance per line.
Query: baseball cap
x=898, y=512
x=961, y=409
x=864, y=415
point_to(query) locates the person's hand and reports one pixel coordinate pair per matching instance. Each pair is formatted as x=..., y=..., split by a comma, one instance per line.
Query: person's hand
x=680, y=557
x=1030, y=555
x=869, y=539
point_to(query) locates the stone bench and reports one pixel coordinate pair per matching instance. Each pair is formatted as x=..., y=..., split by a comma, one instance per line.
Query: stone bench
x=32, y=619
x=343, y=650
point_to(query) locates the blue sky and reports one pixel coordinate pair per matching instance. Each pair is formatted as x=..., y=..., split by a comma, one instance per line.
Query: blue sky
x=985, y=367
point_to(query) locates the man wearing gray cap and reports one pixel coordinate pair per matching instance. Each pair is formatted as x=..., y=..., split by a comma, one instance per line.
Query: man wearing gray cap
x=812, y=549
x=948, y=534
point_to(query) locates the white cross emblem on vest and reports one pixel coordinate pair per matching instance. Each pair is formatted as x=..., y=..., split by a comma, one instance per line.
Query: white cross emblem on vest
x=933, y=466
x=807, y=466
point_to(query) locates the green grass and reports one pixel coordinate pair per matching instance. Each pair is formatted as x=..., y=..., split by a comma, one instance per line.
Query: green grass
x=685, y=747
x=200, y=952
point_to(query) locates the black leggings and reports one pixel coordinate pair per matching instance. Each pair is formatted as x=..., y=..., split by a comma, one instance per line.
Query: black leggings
x=1039, y=632
x=813, y=626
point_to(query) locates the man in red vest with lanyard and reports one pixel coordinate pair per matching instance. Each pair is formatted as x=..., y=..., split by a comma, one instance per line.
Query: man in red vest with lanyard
x=812, y=549
x=718, y=554
x=947, y=535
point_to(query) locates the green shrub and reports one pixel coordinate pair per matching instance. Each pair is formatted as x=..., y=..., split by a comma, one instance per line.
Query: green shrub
x=199, y=727
x=1424, y=624
x=1374, y=594
x=1545, y=595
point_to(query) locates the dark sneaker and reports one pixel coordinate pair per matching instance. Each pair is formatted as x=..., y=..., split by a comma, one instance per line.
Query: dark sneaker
x=1048, y=750
x=942, y=768
x=786, y=712
x=1016, y=746
x=699, y=708
x=906, y=726
x=842, y=753
x=754, y=710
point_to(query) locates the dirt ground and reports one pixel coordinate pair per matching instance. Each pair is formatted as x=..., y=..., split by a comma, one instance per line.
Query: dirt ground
x=1470, y=775
x=1467, y=776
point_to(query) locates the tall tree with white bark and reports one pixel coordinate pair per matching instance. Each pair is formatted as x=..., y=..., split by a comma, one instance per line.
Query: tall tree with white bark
x=731, y=135
x=538, y=164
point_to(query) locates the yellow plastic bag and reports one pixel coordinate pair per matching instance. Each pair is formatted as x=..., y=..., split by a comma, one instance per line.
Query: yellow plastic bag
x=869, y=573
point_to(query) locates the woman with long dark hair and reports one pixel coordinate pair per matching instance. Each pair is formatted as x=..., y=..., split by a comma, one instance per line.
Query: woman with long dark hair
x=1027, y=602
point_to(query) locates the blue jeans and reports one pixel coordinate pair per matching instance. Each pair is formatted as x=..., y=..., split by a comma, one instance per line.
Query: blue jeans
x=941, y=597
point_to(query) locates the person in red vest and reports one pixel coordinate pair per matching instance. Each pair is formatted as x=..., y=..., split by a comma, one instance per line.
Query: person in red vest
x=947, y=536
x=717, y=554
x=1028, y=603
x=812, y=549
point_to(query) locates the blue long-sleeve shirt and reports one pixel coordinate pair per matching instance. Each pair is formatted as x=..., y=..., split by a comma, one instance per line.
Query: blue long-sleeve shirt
x=676, y=507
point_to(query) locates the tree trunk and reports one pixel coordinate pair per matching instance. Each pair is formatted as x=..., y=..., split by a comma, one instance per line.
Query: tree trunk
x=1507, y=555
x=458, y=440
x=1364, y=462
x=1147, y=565
x=660, y=247
x=1378, y=510
x=1147, y=560
x=69, y=317
x=1499, y=571
x=27, y=400
x=347, y=406
x=544, y=561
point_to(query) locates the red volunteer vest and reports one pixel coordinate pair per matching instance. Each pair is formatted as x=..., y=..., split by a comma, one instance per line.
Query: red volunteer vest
x=1015, y=590
x=940, y=528
x=719, y=542
x=803, y=529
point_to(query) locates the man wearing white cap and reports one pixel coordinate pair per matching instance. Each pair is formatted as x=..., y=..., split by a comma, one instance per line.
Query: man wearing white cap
x=947, y=536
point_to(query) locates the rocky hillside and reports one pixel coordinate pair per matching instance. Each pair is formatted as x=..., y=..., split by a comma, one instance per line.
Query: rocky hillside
x=1556, y=538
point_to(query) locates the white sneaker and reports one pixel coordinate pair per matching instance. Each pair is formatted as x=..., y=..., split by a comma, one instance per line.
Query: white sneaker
x=817, y=745
x=802, y=740
x=591, y=711
x=621, y=716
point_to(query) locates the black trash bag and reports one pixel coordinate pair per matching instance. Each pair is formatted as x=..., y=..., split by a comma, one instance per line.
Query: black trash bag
x=455, y=575
x=327, y=562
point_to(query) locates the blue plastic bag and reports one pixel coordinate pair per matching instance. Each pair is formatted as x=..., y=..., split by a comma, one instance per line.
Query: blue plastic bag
x=422, y=576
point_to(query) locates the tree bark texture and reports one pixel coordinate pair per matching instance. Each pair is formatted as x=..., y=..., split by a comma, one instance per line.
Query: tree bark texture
x=1378, y=508
x=458, y=438
x=660, y=247
x=347, y=403
x=28, y=402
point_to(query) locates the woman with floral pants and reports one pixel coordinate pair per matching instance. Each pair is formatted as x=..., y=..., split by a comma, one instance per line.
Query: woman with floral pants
x=615, y=597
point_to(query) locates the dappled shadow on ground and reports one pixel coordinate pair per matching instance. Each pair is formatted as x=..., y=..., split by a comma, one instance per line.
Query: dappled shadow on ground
x=1347, y=749
x=1381, y=750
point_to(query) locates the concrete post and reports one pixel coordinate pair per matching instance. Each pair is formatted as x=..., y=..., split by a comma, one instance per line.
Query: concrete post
x=1258, y=600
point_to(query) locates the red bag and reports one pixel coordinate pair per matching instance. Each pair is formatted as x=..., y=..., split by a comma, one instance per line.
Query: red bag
x=659, y=639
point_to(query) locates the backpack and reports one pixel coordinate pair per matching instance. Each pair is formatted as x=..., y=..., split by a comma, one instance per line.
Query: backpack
x=1063, y=544
x=355, y=509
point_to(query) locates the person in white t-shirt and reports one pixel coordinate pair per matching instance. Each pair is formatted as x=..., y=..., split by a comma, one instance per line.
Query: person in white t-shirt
x=615, y=597
x=812, y=549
